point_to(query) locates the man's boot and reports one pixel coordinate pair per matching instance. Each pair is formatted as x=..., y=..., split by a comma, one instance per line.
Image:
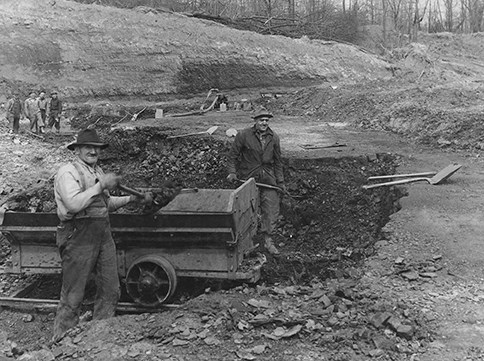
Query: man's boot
x=269, y=245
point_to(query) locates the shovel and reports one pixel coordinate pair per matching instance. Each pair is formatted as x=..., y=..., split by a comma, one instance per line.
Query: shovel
x=436, y=179
x=136, y=193
x=154, y=202
x=409, y=175
x=268, y=186
x=209, y=131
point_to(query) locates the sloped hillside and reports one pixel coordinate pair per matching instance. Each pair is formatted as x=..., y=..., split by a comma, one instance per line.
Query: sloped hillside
x=91, y=50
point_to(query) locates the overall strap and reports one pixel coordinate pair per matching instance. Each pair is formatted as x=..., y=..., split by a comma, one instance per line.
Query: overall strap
x=82, y=176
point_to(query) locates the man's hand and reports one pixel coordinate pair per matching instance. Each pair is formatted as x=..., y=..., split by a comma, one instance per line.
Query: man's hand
x=147, y=199
x=232, y=177
x=109, y=181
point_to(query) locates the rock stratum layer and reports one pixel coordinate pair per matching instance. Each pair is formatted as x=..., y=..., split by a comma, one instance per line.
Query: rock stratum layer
x=97, y=51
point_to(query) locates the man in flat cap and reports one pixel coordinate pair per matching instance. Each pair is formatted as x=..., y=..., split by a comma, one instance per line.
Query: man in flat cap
x=53, y=111
x=84, y=237
x=256, y=152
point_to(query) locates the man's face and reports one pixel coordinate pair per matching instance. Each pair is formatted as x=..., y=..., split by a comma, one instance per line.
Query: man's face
x=262, y=123
x=89, y=154
x=42, y=95
x=32, y=95
x=54, y=95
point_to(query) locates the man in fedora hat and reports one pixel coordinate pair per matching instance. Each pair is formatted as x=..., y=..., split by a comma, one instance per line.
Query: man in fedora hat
x=256, y=152
x=84, y=237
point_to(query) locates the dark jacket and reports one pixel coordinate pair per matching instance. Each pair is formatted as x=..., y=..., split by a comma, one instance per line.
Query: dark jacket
x=14, y=107
x=265, y=165
x=54, y=106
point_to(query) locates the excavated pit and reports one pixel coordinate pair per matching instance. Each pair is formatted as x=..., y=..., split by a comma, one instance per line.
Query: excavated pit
x=325, y=234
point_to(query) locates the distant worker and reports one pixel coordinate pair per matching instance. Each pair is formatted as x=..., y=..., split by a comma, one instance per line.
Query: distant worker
x=32, y=112
x=256, y=152
x=42, y=104
x=53, y=111
x=84, y=237
x=14, y=109
x=222, y=102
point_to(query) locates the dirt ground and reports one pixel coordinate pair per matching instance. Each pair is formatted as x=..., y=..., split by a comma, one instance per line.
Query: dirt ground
x=435, y=236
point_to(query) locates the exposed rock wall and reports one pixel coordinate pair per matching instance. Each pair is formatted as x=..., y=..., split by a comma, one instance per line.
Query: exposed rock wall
x=91, y=50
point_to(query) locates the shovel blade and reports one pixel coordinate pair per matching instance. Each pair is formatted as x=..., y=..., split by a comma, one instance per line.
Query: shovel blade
x=212, y=130
x=445, y=173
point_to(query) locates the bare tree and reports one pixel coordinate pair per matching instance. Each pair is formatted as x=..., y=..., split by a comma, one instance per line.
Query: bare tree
x=291, y=9
x=449, y=14
x=475, y=11
x=384, y=22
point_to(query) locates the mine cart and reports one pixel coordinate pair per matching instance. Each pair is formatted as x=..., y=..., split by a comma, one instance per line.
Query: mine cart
x=204, y=234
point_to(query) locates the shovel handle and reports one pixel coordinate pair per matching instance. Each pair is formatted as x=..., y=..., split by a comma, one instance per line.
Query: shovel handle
x=130, y=190
x=392, y=176
x=263, y=185
x=134, y=192
x=184, y=135
x=397, y=182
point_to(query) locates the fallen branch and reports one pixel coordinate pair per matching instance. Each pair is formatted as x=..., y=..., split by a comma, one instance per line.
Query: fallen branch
x=35, y=135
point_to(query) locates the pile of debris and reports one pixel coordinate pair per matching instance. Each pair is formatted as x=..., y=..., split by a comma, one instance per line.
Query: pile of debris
x=338, y=320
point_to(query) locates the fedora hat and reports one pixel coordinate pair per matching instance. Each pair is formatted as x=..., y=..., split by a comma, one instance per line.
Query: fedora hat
x=262, y=113
x=87, y=137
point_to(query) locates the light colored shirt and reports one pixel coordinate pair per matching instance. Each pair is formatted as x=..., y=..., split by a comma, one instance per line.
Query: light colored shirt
x=31, y=107
x=42, y=103
x=81, y=195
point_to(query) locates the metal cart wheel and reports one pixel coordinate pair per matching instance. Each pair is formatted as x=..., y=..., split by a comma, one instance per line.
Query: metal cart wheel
x=151, y=280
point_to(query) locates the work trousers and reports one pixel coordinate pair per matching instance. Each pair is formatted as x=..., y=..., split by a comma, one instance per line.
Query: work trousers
x=42, y=118
x=269, y=207
x=33, y=123
x=54, y=119
x=86, y=246
x=16, y=123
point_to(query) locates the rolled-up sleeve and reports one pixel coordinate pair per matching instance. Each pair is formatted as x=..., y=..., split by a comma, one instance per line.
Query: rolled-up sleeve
x=117, y=202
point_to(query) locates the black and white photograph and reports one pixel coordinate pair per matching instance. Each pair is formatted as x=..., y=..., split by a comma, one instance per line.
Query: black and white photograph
x=224, y=180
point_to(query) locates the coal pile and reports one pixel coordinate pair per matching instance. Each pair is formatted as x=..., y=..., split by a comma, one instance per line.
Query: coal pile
x=36, y=199
x=148, y=158
x=337, y=222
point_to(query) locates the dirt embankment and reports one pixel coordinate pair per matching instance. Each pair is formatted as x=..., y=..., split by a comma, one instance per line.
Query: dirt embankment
x=96, y=51
x=435, y=97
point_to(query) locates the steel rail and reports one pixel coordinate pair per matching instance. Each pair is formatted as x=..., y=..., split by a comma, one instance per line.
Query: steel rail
x=34, y=303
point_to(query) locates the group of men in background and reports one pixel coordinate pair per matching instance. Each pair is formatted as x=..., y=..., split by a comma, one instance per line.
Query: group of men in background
x=43, y=113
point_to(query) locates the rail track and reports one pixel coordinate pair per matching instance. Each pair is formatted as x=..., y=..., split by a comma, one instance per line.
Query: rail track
x=34, y=304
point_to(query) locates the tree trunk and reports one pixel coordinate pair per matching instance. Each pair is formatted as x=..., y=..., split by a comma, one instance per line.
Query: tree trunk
x=291, y=10
x=384, y=22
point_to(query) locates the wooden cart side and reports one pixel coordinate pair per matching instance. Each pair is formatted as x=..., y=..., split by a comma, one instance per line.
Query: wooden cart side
x=32, y=240
x=244, y=203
